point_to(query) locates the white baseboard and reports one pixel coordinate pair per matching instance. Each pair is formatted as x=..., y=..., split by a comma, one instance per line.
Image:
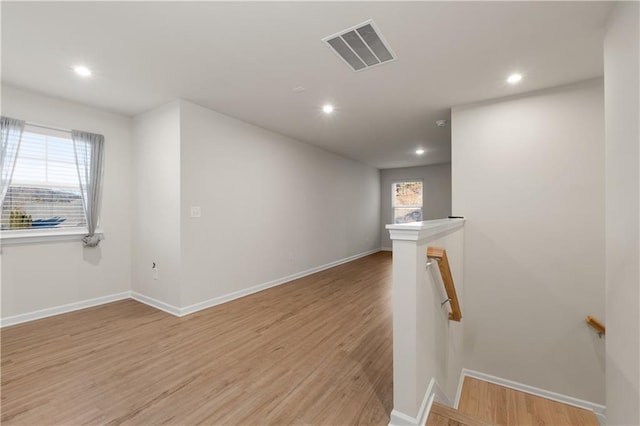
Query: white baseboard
x=63, y=309
x=386, y=249
x=599, y=410
x=247, y=291
x=459, y=390
x=433, y=394
x=166, y=307
x=155, y=303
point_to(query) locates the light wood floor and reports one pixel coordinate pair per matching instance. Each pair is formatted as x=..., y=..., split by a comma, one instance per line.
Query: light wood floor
x=503, y=406
x=314, y=351
x=441, y=415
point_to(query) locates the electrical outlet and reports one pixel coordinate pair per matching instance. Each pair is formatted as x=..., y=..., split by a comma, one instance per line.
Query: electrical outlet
x=154, y=271
x=195, y=211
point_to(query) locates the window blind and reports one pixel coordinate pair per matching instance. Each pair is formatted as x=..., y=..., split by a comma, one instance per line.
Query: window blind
x=44, y=191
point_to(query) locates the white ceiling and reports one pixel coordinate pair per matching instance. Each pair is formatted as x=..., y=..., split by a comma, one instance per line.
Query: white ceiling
x=243, y=59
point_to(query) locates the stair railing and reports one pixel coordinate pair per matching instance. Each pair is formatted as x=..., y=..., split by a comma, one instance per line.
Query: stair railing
x=440, y=255
x=597, y=325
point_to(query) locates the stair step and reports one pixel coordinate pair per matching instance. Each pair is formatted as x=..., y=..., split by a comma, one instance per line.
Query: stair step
x=509, y=407
x=441, y=415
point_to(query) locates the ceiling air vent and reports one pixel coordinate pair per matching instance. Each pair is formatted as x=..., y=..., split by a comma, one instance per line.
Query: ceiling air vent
x=361, y=47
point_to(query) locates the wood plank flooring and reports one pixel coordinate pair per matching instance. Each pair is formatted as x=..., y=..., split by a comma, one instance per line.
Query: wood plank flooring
x=503, y=406
x=441, y=415
x=317, y=350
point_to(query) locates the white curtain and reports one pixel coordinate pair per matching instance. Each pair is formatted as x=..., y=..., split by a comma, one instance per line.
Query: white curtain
x=89, y=150
x=11, y=136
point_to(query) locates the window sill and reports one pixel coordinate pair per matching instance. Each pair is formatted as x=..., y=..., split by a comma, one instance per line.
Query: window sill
x=42, y=236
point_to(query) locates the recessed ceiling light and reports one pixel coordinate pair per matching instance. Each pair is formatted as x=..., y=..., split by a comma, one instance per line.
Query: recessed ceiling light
x=82, y=71
x=328, y=108
x=419, y=151
x=514, y=78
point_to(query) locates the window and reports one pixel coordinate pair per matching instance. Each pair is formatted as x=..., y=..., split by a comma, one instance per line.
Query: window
x=407, y=201
x=44, y=191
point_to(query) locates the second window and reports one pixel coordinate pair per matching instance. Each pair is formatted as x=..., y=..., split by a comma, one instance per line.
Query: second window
x=407, y=201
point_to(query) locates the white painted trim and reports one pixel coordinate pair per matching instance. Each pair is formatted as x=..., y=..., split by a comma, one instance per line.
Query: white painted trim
x=155, y=303
x=436, y=394
x=433, y=394
x=418, y=231
x=599, y=410
x=456, y=403
x=166, y=307
x=63, y=309
x=398, y=418
x=50, y=235
x=386, y=249
x=247, y=291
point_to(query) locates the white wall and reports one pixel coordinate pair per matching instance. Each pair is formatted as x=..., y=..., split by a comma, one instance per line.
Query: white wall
x=271, y=206
x=436, y=193
x=44, y=275
x=293, y=207
x=156, y=233
x=623, y=214
x=528, y=175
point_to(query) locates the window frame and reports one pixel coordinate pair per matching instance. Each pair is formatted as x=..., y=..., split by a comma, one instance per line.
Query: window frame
x=415, y=207
x=28, y=236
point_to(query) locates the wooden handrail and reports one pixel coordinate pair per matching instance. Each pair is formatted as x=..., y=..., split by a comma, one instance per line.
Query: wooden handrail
x=440, y=255
x=597, y=325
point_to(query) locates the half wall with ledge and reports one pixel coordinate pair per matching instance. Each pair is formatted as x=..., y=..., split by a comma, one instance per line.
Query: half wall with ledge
x=427, y=346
